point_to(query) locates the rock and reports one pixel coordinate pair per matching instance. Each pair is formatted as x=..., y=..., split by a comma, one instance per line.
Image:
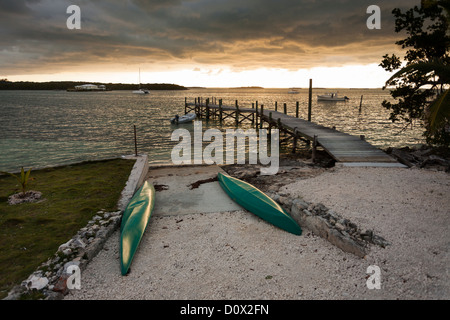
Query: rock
x=78, y=243
x=65, y=246
x=16, y=293
x=300, y=204
x=29, y=196
x=35, y=282
x=67, y=251
x=61, y=284
x=339, y=226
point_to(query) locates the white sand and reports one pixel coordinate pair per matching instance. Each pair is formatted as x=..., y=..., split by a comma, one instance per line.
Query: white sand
x=235, y=255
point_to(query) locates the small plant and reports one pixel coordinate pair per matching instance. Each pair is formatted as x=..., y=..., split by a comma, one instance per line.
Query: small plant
x=23, y=179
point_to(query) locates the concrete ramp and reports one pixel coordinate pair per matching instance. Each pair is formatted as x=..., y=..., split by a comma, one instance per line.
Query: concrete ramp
x=176, y=196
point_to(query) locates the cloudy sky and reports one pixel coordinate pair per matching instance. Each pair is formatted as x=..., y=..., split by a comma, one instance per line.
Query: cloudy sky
x=211, y=43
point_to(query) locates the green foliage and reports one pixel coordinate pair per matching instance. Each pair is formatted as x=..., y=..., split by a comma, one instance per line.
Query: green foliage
x=420, y=86
x=23, y=179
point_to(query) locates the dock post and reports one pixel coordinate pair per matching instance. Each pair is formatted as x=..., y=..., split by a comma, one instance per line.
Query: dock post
x=253, y=114
x=237, y=113
x=270, y=125
x=314, y=149
x=261, y=117
x=360, y=104
x=295, y=142
x=207, y=108
x=256, y=117
x=285, y=109
x=185, y=105
x=276, y=106
x=310, y=100
x=135, y=142
x=296, y=109
x=280, y=128
x=220, y=111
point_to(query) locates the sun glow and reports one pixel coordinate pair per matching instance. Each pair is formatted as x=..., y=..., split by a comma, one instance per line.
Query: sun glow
x=355, y=76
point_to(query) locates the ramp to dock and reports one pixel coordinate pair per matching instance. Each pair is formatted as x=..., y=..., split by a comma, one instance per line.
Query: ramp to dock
x=341, y=146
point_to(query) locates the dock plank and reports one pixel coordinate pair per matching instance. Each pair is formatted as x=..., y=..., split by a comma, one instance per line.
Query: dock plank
x=341, y=146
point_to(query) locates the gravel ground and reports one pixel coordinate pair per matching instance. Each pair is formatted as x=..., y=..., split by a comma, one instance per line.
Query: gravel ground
x=235, y=255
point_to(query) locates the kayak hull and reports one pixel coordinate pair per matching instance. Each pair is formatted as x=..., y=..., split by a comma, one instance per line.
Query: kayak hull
x=258, y=203
x=134, y=222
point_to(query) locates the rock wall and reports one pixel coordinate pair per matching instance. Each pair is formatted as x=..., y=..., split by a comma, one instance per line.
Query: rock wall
x=329, y=225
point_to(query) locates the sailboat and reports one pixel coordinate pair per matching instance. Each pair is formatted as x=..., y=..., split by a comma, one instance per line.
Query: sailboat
x=140, y=90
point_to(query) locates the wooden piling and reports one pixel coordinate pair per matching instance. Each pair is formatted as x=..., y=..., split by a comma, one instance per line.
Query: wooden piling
x=294, y=144
x=261, y=117
x=310, y=100
x=360, y=104
x=220, y=111
x=285, y=109
x=135, y=142
x=237, y=113
x=296, y=109
x=314, y=149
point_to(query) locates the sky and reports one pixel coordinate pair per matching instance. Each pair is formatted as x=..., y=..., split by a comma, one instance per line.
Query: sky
x=206, y=43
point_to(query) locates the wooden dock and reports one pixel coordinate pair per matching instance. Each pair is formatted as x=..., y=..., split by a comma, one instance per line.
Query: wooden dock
x=342, y=147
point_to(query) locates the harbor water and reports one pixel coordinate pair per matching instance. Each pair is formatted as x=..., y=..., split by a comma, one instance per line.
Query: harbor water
x=50, y=128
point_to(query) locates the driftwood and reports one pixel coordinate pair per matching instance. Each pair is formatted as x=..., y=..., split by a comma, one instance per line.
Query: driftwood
x=422, y=158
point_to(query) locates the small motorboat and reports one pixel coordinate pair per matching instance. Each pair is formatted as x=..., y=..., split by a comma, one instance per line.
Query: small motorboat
x=293, y=91
x=188, y=117
x=331, y=97
x=141, y=91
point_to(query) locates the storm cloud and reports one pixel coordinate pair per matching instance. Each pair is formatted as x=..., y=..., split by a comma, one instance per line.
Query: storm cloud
x=239, y=34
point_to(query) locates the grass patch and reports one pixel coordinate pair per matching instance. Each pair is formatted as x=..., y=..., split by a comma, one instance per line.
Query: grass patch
x=30, y=233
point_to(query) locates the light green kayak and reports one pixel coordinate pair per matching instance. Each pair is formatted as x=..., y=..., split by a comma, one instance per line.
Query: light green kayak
x=258, y=203
x=134, y=222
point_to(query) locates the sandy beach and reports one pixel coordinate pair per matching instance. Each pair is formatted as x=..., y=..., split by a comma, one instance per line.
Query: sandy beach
x=235, y=255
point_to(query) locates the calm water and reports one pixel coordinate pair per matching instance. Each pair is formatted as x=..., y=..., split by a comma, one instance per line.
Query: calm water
x=47, y=128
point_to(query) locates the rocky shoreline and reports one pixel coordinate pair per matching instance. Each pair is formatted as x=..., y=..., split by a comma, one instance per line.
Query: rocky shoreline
x=50, y=278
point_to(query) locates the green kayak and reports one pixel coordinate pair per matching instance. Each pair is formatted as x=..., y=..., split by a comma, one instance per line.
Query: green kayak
x=134, y=221
x=255, y=201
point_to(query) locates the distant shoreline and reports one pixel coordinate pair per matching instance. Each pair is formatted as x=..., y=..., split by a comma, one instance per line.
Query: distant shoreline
x=65, y=85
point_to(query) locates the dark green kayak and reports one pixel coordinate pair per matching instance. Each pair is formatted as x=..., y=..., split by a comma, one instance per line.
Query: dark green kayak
x=255, y=201
x=134, y=221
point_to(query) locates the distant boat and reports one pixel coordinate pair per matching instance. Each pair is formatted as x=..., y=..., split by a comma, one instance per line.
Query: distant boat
x=140, y=90
x=88, y=88
x=188, y=117
x=293, y=91
x=331, y=97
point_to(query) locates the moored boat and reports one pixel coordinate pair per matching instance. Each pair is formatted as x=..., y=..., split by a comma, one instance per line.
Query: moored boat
x=141, y=91
x=331, y=97
x=188, y=117
x=258, y=203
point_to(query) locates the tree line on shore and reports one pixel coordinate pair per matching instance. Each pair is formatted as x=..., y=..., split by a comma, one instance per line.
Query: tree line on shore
x=64, y=85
